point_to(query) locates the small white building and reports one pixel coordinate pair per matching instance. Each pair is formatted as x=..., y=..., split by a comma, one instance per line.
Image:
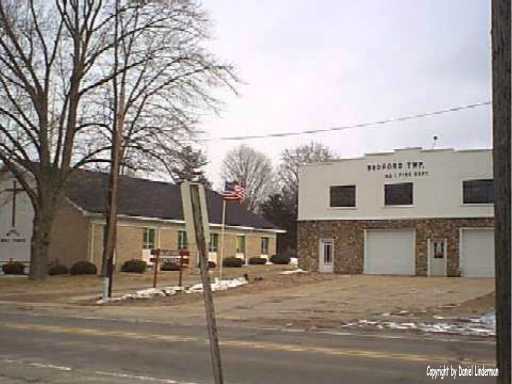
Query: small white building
x=407, y=212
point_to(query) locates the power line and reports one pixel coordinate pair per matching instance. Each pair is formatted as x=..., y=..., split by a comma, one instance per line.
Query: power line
x=360, y=125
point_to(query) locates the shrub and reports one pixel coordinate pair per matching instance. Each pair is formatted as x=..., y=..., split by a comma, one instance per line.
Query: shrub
x=280, y=259
x=170, y=266
x=83, y=268
x=13, y=268
x=257, y=260
x=211, y=265
x=134, y=266
x=232, y=262
x=58, y=269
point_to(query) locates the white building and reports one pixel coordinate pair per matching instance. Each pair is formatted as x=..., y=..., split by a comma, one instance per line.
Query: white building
x=407, y=212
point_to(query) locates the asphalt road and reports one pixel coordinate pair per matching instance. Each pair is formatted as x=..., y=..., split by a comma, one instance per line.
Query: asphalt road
x=39, y=348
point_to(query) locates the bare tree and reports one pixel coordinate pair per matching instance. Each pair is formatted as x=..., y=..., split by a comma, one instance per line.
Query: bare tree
x=152, y=106
x=55, y=60
x=281, y=208
x=252, y=169
x=292, y=159
x=47, y=56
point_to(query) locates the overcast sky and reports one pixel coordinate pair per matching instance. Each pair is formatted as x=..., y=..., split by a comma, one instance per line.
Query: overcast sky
x=317, y=64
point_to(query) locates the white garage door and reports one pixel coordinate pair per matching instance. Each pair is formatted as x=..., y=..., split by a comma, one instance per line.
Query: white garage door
x=477, y=252
x=389, y=252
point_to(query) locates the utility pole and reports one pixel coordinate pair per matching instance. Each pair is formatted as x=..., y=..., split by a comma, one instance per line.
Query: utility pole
x=501, y=110
x=205, y=278
x=119, y=91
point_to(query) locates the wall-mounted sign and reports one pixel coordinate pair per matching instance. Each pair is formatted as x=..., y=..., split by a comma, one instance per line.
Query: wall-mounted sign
x=12, y=237
x=399, y=169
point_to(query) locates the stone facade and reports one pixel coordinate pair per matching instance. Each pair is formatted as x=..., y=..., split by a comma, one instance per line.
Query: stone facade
x=348, y=238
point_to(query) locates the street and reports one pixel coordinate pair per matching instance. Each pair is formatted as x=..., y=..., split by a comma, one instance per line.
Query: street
x=36, y=347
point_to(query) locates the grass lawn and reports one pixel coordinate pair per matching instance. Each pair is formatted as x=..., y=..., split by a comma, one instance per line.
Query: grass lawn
x=309, y=299
x=67, y=288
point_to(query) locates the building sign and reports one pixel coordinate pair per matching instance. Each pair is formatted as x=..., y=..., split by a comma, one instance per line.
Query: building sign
x=15, y=226
x=12, y=237
x=399, y=169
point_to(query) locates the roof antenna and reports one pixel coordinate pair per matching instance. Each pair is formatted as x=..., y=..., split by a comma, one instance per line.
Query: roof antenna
x=434, y=142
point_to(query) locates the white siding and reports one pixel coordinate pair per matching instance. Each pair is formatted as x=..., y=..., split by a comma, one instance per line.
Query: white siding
x=436, y=194
x=16, y=245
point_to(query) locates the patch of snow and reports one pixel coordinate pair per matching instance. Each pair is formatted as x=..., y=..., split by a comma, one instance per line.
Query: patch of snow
x=298, y=270
x=489, y=319
x=218, y=285
x=294, y=261
x=393, y=325
x=368, y=322
x=481, y=326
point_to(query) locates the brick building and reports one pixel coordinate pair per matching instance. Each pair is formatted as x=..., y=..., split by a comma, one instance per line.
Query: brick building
x=406, y=212
x=150, y=216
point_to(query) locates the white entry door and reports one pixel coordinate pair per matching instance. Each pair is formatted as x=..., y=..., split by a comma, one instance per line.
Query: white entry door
x=437, y=256
x=326, y=262
x=477, y=252
x=389, y=252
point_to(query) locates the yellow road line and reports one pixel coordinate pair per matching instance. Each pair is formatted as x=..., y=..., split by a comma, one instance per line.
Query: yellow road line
x=269, y=346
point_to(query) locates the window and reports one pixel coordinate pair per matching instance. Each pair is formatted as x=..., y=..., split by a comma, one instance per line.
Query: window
x=478, y=191
x=438, y=247
x=240, y=244
x=148, y=240
x=398, y=194
x=214, y=242
x=182, y=240
x=327, y=251
x=264, y=245
x=343, y=196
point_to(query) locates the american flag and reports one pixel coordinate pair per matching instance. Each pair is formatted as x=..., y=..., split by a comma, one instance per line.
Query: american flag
x=233, y=191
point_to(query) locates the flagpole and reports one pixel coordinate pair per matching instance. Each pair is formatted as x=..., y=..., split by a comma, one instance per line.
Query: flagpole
x=223, y=230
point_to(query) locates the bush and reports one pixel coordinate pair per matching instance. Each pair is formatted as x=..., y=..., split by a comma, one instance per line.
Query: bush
x=83, y=268
x=280, y=259
x=134, y=266
x=211, y=265
x=232, y=262
x=13, y=268
x=58, y=269
x=170, y=266
x=257, y=261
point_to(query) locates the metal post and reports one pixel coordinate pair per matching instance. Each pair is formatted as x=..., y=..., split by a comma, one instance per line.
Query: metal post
x=110, y=271
x=222, y=233
x=180, y=279
x=207, y=290
x=155, y=266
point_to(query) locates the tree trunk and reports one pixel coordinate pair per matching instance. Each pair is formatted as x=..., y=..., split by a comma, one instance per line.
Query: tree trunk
x=501, y=96
x=39, y=247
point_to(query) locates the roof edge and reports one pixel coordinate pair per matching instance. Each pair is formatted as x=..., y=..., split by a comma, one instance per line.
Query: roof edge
x=175, y=221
